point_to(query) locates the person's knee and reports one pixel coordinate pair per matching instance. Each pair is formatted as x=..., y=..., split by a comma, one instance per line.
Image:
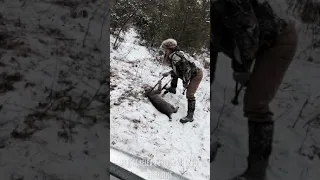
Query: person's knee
x=173, y=76
x=190, y=97
x=260, y=117
x=174, y=83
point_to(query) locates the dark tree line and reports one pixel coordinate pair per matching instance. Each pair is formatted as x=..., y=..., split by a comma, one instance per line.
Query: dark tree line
x=187, y=21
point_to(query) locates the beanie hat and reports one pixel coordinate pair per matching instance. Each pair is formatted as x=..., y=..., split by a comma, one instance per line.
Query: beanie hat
x=169, y=44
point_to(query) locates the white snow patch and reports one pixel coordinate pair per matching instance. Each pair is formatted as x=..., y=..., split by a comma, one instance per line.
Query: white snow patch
x=41, y=60
x=138, y=128
x=294, y=156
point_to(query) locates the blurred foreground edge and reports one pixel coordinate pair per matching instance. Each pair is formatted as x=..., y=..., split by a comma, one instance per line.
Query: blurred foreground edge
x=125, y=166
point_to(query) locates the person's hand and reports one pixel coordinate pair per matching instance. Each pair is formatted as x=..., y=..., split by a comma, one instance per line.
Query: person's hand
x=166, y=74
x=242, y=77
x=185, y=85
x=171, y=90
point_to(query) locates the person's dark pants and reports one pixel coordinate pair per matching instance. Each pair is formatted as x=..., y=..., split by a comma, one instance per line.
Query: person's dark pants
x=268, y=73
x=174, y=80
x=191, y=90
x=193, y=85
x=269, y=70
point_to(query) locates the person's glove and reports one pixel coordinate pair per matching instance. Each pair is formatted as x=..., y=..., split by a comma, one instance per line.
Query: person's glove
x=242, y=77
x=185, y=85
x=171, y=90
x=166, y=74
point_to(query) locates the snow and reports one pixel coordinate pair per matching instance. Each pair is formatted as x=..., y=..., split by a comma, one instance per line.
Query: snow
x=144, y=132
x=65, y=144
x=295, y=154
x=141, y=130
x=286, y=161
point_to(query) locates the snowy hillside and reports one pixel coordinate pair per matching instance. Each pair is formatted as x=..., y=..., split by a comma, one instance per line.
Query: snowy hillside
x=53, y=91
x=140, y=129
x=296, y=151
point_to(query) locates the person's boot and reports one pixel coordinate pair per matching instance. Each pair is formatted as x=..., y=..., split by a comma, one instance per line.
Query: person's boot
x=191, y=108
x=260, y=147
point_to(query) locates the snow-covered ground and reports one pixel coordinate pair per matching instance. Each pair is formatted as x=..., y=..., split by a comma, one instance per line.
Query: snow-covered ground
x=46, y=75
x=296, y=150
x=139, y=129
x=53, y=102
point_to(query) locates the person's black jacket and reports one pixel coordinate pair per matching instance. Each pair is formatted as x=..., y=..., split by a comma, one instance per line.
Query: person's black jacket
x=240, y=29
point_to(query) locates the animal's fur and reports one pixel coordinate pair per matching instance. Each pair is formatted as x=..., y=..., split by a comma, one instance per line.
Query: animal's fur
x=159, y=103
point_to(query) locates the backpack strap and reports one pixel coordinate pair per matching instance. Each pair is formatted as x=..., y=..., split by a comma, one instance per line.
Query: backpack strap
x=193, y=67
